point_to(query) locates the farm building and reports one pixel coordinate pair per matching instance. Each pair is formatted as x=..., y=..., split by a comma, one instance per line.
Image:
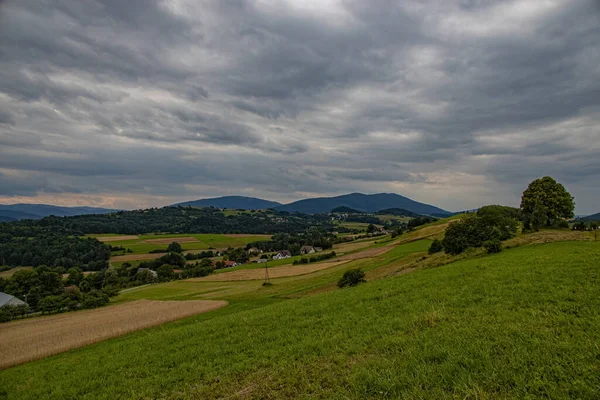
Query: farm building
x=282, y=254
x=9, y=300
x=231, y=264
x=307, y=250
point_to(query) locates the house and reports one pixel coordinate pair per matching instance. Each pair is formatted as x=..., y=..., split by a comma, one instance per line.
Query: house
x=254, y=250
x=282, y=254
x=307, y=250
x=230, y=264
x=7, y=300
x=148, y=269
x=318, y=249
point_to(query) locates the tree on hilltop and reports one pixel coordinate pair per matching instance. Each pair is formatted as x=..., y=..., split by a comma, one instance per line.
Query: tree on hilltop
x=544, y=202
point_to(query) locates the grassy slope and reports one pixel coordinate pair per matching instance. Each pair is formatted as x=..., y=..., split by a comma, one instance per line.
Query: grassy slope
x=522, y=323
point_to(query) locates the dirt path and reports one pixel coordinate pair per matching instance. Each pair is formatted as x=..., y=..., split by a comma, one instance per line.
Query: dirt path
x=35, y=338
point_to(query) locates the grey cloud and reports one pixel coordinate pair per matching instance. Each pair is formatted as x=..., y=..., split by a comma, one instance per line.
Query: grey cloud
x=159, y=98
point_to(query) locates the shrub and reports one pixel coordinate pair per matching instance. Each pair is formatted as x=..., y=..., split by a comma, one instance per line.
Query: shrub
x=352, y=277
x=493, y=246
x=436, y=247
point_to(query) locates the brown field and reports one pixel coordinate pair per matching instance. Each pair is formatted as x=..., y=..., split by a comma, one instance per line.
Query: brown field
x=116, y=238
x=350, y=246
x=133, y=257
x=171, y=240
x=245, y=235
x=374, y=252
x=259, y=273
x=34, y=338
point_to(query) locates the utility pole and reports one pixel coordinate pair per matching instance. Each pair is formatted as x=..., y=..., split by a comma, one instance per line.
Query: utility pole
x=267, y=280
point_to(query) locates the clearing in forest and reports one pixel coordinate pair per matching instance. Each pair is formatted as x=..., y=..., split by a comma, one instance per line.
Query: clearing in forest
x=34, y=338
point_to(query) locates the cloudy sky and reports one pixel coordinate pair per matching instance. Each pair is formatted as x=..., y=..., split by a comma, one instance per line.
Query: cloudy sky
x=144, y=103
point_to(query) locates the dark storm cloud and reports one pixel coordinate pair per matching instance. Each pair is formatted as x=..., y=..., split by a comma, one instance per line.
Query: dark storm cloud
x=459, y=103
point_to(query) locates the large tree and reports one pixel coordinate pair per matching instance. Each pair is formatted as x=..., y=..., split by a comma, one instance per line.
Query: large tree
x=545, y=201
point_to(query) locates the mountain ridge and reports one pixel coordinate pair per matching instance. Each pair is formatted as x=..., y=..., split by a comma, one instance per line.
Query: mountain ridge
x=15, y=212
x=231, y=202
x=362, y=202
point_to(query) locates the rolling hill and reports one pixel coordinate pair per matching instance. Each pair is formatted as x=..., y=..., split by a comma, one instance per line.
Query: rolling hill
x=232, y=202
x=594, y=217
x=362, y=202
x=15, y=212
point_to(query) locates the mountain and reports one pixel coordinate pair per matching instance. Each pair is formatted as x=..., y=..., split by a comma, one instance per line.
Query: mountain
x=15, y=212
x=362, y=202
x=398, y=212
x=594, y=217
x=232, y=202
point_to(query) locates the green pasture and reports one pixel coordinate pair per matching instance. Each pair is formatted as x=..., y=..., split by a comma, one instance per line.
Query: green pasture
x=524, y=323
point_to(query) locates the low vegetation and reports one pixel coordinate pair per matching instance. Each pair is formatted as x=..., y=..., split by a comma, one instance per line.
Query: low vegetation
x=520, y=324
x=352, y=277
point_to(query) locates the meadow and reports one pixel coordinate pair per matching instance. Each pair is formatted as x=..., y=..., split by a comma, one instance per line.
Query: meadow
x=524, y=323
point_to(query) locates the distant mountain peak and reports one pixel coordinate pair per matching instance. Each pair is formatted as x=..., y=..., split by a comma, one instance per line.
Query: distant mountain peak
x=232, y=202
x=362, y=202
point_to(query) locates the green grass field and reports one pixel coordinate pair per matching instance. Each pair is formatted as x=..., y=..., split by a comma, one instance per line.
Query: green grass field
x=205, y=241
x=524, y=323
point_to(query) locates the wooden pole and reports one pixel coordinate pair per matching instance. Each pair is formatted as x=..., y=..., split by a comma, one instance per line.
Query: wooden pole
x=267, y=272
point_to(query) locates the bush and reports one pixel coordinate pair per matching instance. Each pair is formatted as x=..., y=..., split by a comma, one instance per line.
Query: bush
x=493, y=246
x=174, y=248
x=352, y=278
x=436, y=247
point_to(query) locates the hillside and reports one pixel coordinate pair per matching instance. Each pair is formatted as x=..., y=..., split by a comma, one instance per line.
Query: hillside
x=362, y=202
x=232, y=202
x=594, y=217
x=520, y=324
x=38, y=211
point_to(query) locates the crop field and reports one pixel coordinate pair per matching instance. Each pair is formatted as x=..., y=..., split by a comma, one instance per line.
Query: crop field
x=279, y=272
x=116, y=238
x=33, y=338
x=524, y=323
x=143, y=244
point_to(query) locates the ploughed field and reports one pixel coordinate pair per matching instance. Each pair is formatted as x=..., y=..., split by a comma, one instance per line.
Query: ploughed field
x=33, y=338
x=524, y=323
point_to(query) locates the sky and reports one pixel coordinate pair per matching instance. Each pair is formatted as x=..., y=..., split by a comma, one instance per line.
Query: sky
x=143, y=103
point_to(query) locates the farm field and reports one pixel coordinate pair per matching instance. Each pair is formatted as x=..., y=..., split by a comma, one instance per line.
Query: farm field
x=143, y=244
x=33, y=338
x=10, y=272
x=521, y=323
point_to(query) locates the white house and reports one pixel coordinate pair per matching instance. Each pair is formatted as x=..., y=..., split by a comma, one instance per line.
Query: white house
x=282, y=254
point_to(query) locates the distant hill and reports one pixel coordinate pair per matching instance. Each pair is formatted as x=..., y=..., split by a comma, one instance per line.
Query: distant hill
x=594, y=217
x=232, y=202
x=362, y=202
x=345, y=210
x=15, y=212
x=398, y=212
